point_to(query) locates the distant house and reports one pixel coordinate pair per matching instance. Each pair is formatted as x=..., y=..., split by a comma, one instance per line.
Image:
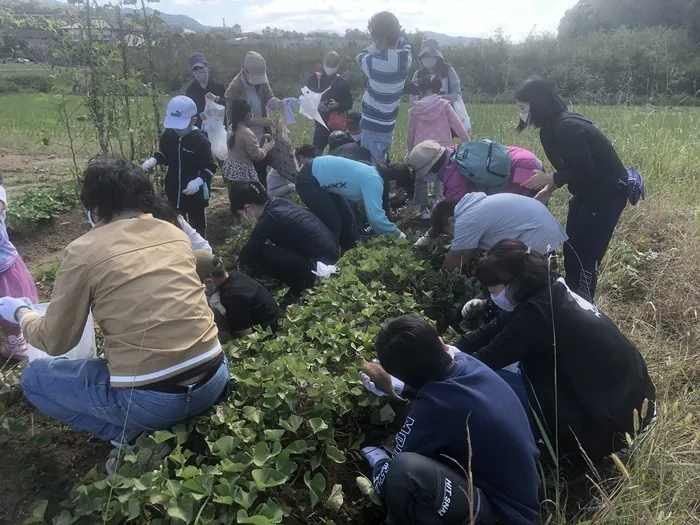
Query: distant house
x=324, y=41
x=334, y=42
x=103, y=31
x=100, y=30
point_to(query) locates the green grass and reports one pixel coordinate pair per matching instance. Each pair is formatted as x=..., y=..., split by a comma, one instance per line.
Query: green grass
x=650, y=285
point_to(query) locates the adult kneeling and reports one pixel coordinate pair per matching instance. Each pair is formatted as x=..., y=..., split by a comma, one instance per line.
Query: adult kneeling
x=162, y=361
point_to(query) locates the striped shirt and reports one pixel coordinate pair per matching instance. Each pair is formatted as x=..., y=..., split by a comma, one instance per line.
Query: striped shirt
x=386, y=73
x=8, y=253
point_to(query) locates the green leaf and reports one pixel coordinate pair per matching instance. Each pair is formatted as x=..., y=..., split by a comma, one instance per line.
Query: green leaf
x=367, y=489
x=274, y=435
x=182, y=512
x=243, y=498
x=272, y=510
x=300, y=447
x=335, y=500
x=253, y=413
x=292, y=424
x=262, y=453
x=225, y=447
x=317, y=425
x=38, y=512
x=161, y=436
x=268, y=477
x=335, y=455
x=242, y=517
x=386, y=414
x=316, y=485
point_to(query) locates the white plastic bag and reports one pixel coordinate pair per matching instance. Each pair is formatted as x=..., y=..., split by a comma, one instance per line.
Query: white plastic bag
x=461, y=110
x=308, y=105
x=213, y=126
x=278, y=186
x=86, y=348
x=324, y=271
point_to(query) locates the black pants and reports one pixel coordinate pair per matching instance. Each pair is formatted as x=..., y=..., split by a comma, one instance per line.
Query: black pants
x=197, y=218
x=421, y=491
x=261, y=169
x=590, y=226
x=333, y=210
x=321, y=135
x=292, y=268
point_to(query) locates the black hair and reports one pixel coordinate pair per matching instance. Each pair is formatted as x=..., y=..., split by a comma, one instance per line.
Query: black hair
x=354, y=116
x=238, y=114
x=410, y=349
x=432, y=83
x=402, y=175
x=112, y=185
x=441, y=215
x=338, y=138
x=163, y=210
x=384, y=26
x=241, y=193
x=545, y=103
x=307, y=150
x=511, y=262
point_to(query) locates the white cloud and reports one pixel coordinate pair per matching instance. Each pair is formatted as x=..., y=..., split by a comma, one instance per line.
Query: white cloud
x=516, y=17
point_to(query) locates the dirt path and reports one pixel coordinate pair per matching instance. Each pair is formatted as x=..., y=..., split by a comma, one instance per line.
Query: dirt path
x=22, y=170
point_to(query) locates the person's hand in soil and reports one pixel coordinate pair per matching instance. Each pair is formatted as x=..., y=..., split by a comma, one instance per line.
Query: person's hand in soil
x=379, y=382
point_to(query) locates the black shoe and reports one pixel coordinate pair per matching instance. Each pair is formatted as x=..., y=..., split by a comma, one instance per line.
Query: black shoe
x=367, y=233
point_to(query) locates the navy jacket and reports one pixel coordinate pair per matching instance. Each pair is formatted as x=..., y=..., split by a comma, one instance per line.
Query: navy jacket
x=187, y=158
x=288, y=226
x=504, y=454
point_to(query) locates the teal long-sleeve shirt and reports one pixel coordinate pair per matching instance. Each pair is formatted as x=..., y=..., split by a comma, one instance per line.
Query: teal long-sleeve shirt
x=357, y=182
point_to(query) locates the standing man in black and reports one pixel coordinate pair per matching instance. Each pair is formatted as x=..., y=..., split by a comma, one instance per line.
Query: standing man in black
x=203, y=87
x=335, y=103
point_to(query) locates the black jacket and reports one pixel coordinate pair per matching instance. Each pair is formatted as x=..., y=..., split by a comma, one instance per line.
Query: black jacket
x=584, y=158
x=601, y=376
x=186, y=159
x=247, y=302
x=339, y=90
x=197, y=93
x=349, y=149
x=288, y=226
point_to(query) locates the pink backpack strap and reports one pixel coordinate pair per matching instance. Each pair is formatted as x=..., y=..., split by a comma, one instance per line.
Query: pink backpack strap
x=318, y=78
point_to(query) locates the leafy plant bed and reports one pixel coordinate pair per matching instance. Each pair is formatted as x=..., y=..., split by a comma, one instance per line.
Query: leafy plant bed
x=285, y=447
x=36, y=205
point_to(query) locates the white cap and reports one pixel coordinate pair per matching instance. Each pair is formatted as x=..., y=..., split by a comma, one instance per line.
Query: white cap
x=179, y=114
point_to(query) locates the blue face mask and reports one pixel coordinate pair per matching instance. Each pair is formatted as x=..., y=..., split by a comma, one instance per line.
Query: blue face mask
x=201, y=74
x=90, y=219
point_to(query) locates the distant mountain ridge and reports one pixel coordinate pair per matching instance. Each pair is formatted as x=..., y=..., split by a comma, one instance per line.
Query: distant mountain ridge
x=454, y=41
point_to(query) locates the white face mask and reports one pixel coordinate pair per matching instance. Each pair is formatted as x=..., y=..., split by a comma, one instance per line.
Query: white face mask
x=252, y=219
x=429, y=62
x=502, y=301
x=525, y=113
x=90, y=219
x=330, y=71
x=357, y=137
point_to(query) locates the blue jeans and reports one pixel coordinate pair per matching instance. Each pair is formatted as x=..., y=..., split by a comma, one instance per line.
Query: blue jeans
x=78, y=392
x=378, y=144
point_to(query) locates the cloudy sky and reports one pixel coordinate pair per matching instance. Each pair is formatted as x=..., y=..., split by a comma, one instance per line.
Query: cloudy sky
x=518, y=18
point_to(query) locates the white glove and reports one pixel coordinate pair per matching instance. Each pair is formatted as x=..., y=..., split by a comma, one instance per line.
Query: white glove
x=269, y=145
x=150, y=164
x=474, y=305
x=397, y=385
x=423, y=241
x=9, y=307
x=402, y=235
x=374, y=455
x=193, y=186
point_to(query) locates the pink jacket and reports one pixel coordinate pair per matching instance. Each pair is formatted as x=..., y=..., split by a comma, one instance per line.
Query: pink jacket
x=432, y=118
x=522, y=163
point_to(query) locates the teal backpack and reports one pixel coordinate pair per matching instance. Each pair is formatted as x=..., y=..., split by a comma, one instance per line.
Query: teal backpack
x=485, y=163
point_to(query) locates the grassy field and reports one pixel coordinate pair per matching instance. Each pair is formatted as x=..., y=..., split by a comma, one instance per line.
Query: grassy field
x=650, y=285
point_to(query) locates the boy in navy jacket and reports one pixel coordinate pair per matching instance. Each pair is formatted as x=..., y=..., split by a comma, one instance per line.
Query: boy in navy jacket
x=186, y=151
x=463, y=419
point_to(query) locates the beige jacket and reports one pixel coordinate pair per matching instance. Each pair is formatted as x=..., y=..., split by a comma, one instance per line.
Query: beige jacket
x=246, y=148
x=236, y=90
x=139, y=277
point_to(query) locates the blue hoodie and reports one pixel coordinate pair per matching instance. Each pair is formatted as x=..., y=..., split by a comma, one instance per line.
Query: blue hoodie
x=356, y=182
x=504, y=454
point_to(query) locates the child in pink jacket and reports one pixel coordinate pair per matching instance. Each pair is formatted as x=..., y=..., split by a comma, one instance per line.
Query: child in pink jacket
x=432, y=117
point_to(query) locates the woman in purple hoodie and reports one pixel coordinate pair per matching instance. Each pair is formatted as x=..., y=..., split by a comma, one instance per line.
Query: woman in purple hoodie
x=431, y=118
